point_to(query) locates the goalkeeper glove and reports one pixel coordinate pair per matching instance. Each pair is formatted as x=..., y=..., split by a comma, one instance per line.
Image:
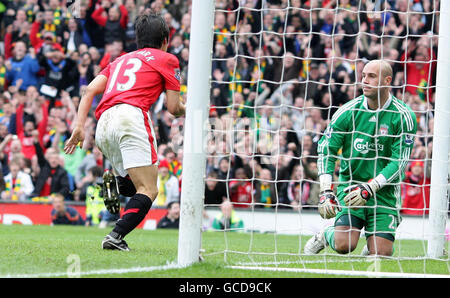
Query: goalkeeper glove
x=359, y=194
x=328, y=204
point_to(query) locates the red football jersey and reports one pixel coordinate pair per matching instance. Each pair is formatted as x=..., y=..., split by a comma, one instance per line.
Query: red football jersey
x=138, y=78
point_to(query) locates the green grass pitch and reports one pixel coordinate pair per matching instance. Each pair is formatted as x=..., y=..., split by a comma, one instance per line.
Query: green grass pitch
x=45, y=251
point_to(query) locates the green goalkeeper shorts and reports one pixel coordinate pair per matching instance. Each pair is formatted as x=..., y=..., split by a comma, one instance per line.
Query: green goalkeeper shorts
x=379, y=221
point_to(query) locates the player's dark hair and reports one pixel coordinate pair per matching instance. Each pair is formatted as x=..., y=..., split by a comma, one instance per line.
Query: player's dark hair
x=151, y=31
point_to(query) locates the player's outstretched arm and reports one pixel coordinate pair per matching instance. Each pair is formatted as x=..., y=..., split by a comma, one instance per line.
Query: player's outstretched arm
x=174, y=104
x=96, y=87
x=328, y=204
x=328, y=147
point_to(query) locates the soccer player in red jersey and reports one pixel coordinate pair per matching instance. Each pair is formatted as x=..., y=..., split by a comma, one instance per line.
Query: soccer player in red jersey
x=130, y=85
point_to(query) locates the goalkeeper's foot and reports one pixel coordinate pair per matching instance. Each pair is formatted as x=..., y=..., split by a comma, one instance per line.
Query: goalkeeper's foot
x=111, y=192
x=111, y=243
x=315, y=244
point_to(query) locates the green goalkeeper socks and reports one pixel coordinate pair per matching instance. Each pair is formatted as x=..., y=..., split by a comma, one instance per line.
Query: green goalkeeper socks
x=329, y=236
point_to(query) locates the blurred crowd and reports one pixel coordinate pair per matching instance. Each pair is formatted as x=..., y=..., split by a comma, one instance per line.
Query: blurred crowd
x=280, y=70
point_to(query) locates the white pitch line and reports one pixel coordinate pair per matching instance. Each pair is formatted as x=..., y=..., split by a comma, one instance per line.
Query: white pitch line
x=94, y=272
x=345, y=272
x=301, y=262
x=175, y=266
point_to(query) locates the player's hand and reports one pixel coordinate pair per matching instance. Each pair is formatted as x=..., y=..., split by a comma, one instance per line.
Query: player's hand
x=75, y=140
x=359, y=194
x=328, y=204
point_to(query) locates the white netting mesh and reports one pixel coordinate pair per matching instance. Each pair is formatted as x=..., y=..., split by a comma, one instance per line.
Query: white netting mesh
x=281, y=69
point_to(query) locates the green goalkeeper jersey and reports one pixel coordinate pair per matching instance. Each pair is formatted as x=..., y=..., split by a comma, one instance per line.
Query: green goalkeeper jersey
x=374, y=143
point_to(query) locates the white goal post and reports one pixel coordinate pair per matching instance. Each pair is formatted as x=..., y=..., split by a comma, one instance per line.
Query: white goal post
x=197, y=113
x=197, y=106
x=439, y=194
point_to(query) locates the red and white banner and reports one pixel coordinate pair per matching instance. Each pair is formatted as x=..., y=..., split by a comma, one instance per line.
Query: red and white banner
x=39, y=214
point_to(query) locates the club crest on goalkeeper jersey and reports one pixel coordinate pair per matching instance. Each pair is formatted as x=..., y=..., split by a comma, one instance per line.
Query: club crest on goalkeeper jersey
x=368, y=143
x=138, y=78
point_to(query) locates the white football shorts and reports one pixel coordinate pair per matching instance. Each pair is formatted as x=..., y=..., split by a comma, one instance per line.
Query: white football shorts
x=126, y=137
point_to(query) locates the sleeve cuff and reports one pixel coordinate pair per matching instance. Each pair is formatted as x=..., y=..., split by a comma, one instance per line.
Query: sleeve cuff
x=381, y=180
x=325, y=181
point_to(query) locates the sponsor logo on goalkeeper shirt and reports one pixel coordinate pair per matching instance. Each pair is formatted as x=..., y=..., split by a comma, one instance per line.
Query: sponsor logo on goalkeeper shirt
x=364, y=146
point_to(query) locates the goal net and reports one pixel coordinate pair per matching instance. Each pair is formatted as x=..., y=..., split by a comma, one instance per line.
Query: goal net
x=281, y=69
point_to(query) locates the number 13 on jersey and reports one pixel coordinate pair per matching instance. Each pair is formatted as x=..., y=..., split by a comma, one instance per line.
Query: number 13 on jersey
x=124, y=73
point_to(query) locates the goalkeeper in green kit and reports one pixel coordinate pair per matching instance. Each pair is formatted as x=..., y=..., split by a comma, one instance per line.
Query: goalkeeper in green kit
x=375, y=132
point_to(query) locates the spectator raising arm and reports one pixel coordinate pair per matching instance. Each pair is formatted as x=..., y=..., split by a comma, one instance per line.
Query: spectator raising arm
x=8, y=42
x=99, y=15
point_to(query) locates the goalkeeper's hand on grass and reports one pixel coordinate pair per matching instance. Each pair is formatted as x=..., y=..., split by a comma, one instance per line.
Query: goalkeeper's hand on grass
x=359, y=194
x=328, y=204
